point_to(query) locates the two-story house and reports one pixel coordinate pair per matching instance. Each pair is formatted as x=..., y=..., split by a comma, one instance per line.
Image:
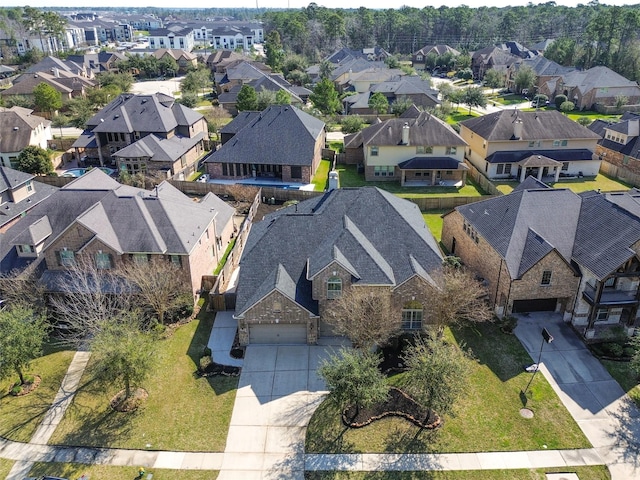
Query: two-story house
x=299, y=259
x=117, y=135
x=619, y=144
x=19, y=129
x=419, y=58
x=511, y=144
x=415, y=149
x=581, y=260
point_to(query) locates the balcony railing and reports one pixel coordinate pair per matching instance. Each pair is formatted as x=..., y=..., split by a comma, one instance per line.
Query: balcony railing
x=610, y=296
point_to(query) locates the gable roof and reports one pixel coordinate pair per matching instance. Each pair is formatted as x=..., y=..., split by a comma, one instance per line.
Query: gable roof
x=437, y=50
x=159, y=149
x=16, y=126
x=596, y=77
x=336, y=227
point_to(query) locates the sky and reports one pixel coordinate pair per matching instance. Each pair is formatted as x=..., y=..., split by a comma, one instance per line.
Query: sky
x=373, y=4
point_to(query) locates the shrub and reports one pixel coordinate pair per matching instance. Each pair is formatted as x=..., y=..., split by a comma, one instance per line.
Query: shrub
x=567, y=106
x=559, y=100
x=584, y=121
x=206, y=352
x=16, y=390
x=352, y=124
x=205, y=363
x=188, y=99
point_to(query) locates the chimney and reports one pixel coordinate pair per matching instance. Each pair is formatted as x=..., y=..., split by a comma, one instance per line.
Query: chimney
x=405, y=133
x=517, y=129
x=56, y=72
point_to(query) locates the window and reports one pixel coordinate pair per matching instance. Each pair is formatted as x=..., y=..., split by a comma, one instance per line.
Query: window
x=103, y=261
x=546, y=278
x=374, y=151
x=532, y=144
x=602, y=314
x=67, y=258
x=565, y=166
x=625, y=160
x=334, y=288
x=451, y=151
x=412, y=316
x=507, y=169
x=29, y=186
x=296, y=172
x=559, y=143
x=419, y=58
x=610, y=282
x=383, y=171
x=139, y=258
x=25, y=248
x=499, y=169
x=277, y=306
x=175, y=259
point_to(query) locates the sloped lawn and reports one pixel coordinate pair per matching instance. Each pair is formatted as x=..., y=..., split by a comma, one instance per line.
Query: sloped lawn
x=487, y=418
x=183, y=412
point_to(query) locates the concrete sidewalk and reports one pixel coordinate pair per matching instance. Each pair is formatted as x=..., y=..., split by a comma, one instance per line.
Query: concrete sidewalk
x=221, y=339
x=604, y=412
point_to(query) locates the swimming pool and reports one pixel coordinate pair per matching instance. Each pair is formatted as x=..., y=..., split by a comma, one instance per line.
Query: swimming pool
x=78, y=172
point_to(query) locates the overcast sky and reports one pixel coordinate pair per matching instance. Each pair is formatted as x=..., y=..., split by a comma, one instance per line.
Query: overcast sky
x=382, y=4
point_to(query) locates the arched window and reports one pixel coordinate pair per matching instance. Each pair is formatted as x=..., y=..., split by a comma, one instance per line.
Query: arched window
x=334, y=288
x=412, y=316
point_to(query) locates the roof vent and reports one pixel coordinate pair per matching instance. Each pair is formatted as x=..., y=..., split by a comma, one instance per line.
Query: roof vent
x=16, y=128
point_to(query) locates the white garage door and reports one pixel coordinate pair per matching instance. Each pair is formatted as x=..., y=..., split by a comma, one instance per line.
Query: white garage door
x=281, y=334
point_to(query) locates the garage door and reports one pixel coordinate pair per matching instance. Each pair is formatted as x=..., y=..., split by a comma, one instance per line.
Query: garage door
x=537, y=305
x=281, y=334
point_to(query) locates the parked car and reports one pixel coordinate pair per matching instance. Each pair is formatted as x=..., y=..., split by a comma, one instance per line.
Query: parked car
x=204, y=178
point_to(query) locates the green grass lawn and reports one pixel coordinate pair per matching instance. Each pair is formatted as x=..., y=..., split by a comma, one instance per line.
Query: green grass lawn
x=100, y=472
x=183, y=412
x=349, y=177
x=460, y=116
x=433, y=219
x=577, y=185
x=510, y=99
x=626, y=377
x=575, y=115
x=5, y=467
x=599, y=472
x=321, y=178
x=223, y=260
x=20, y=416
x=487, y=418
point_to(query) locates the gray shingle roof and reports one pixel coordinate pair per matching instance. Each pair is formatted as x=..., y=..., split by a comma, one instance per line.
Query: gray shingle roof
x=280, y=135
x=159, y=149
x=432, y=163
x=559, y=155
x=16, y=127
x=387, y=248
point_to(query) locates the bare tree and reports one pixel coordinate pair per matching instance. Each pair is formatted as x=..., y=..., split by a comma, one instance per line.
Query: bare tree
x=365, y=316
x=22, y=288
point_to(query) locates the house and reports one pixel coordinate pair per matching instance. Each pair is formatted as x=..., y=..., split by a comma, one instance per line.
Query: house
x=419, y=58
x=363, y=81
x=281, y=142
x=98, y=219
x=69, y=85
x=581, y=260
x=414, y=150
x=494, y=57
x=51, y=65
x=239, y=72
x=619, y=144
x=272, y=83
x=297, y=260
x=99, y=62
x=117, y=135
x=371, y=54
x=511, y=144
x=547, y=73
x=19, y=129
x=19, y=194
x=409, y=87
x=185, y=60
x=178, y=37
x=219, y=59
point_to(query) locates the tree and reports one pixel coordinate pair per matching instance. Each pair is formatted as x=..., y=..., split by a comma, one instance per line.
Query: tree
x=457, y=298
x=216, y=117
x=567, y=106
x=22, y=334
x=247, y=99
x=475, y=97
x=540, y=99
x=264, y=98
x=274, y=51
x=188, y=99
x=584, y=121
x=401, y=105
x=168, y=65
x=353, y=378
x=525, y=78
x=325, y=97
x=81, y=111
x=465, y=74
x=196, y=81
x=60, y=121
x=282, y=98
x=34, y=160
x=559, y=100
x=122, y=80
x=493, y=78
x=378, y=103
x=621, y=101
x=351, y=124
x=563, y=50
x=365, y=316
x=99, y=97
x=437, y=373
x=47, y=98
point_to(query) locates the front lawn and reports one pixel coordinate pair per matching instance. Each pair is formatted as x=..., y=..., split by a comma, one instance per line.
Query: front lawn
x=433, y=219
x=20, y=416
x=509, y=99
x=321, y=178
x=98, y=472
x=183, y=412
x=599, y=472
x=627, y=378
x=349, y=177
x=487, y=418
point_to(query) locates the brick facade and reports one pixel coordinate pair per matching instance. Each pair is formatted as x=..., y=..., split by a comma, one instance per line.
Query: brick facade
x=618, y=159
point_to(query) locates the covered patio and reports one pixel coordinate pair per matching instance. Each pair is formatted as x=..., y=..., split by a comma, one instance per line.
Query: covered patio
x=538, y=166
x=432, y=171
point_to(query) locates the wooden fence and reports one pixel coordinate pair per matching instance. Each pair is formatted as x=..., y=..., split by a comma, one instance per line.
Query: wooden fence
x=620, y=173
x=482, y=181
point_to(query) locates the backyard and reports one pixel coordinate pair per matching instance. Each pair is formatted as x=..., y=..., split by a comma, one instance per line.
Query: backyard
x=599, y=182
x=486, y=419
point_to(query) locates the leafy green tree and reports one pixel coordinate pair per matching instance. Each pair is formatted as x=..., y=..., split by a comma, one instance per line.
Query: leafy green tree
x=22, y=334
x=274, y=51
x=437, y=373
x=559, y=100
x=525, y=78
x=378, y=103
x=247, y=99
x=563, y=50
x=462, y=61
x=196, y=81
x=475, y=98
x=99, y=97
x=351, y=124
x=60, y=121
x=282, y=98
x=401, y=105
x=122, y=80
x=465, y=74
x=264, y=98
x=353, y=378
x=47, y=98
x=34, y=160
x=621, y=101
x=54, y=25
x=584, y=121
x=325, y=97
x=188, y=99
x=493, y=78
x=326, y=68
x=168, y=65
x=567, y=106
x=81, y=111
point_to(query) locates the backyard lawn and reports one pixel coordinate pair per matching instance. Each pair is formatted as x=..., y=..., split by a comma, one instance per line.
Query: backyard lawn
x=320, y=179
x=349, y=177
x=601, y=181
x=433, y=219
x=183, y=412
x=99, y=472
x=460, y=116
x=599, y=472
x=487, y=418
x=20, y=416
x=626, y=377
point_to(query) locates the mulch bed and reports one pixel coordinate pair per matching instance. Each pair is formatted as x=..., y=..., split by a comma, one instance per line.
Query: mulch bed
x=398, y=404
x=120, y=404
x=213, y=369
x=26, y=388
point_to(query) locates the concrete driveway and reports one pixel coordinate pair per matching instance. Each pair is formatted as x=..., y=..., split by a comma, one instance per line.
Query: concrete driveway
x=148, y=87
x=277, y=394
x=604, y=412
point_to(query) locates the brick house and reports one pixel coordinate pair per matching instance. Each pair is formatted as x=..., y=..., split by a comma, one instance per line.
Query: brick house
x=117, y=135
x=19, y=129
x=281, y=142
x=414, y=149
x=419, y=58
x=535, y=256
x=512, y=144
x=333, y=243
x=98, y=219
x=620, y=141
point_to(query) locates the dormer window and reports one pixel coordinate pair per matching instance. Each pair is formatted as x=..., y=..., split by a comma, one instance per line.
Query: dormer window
x=26, y=249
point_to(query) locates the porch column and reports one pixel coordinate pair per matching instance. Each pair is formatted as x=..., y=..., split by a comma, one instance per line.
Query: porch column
x=402, y=175
x=540, y=170
x=523, y=174
x=558, y=173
